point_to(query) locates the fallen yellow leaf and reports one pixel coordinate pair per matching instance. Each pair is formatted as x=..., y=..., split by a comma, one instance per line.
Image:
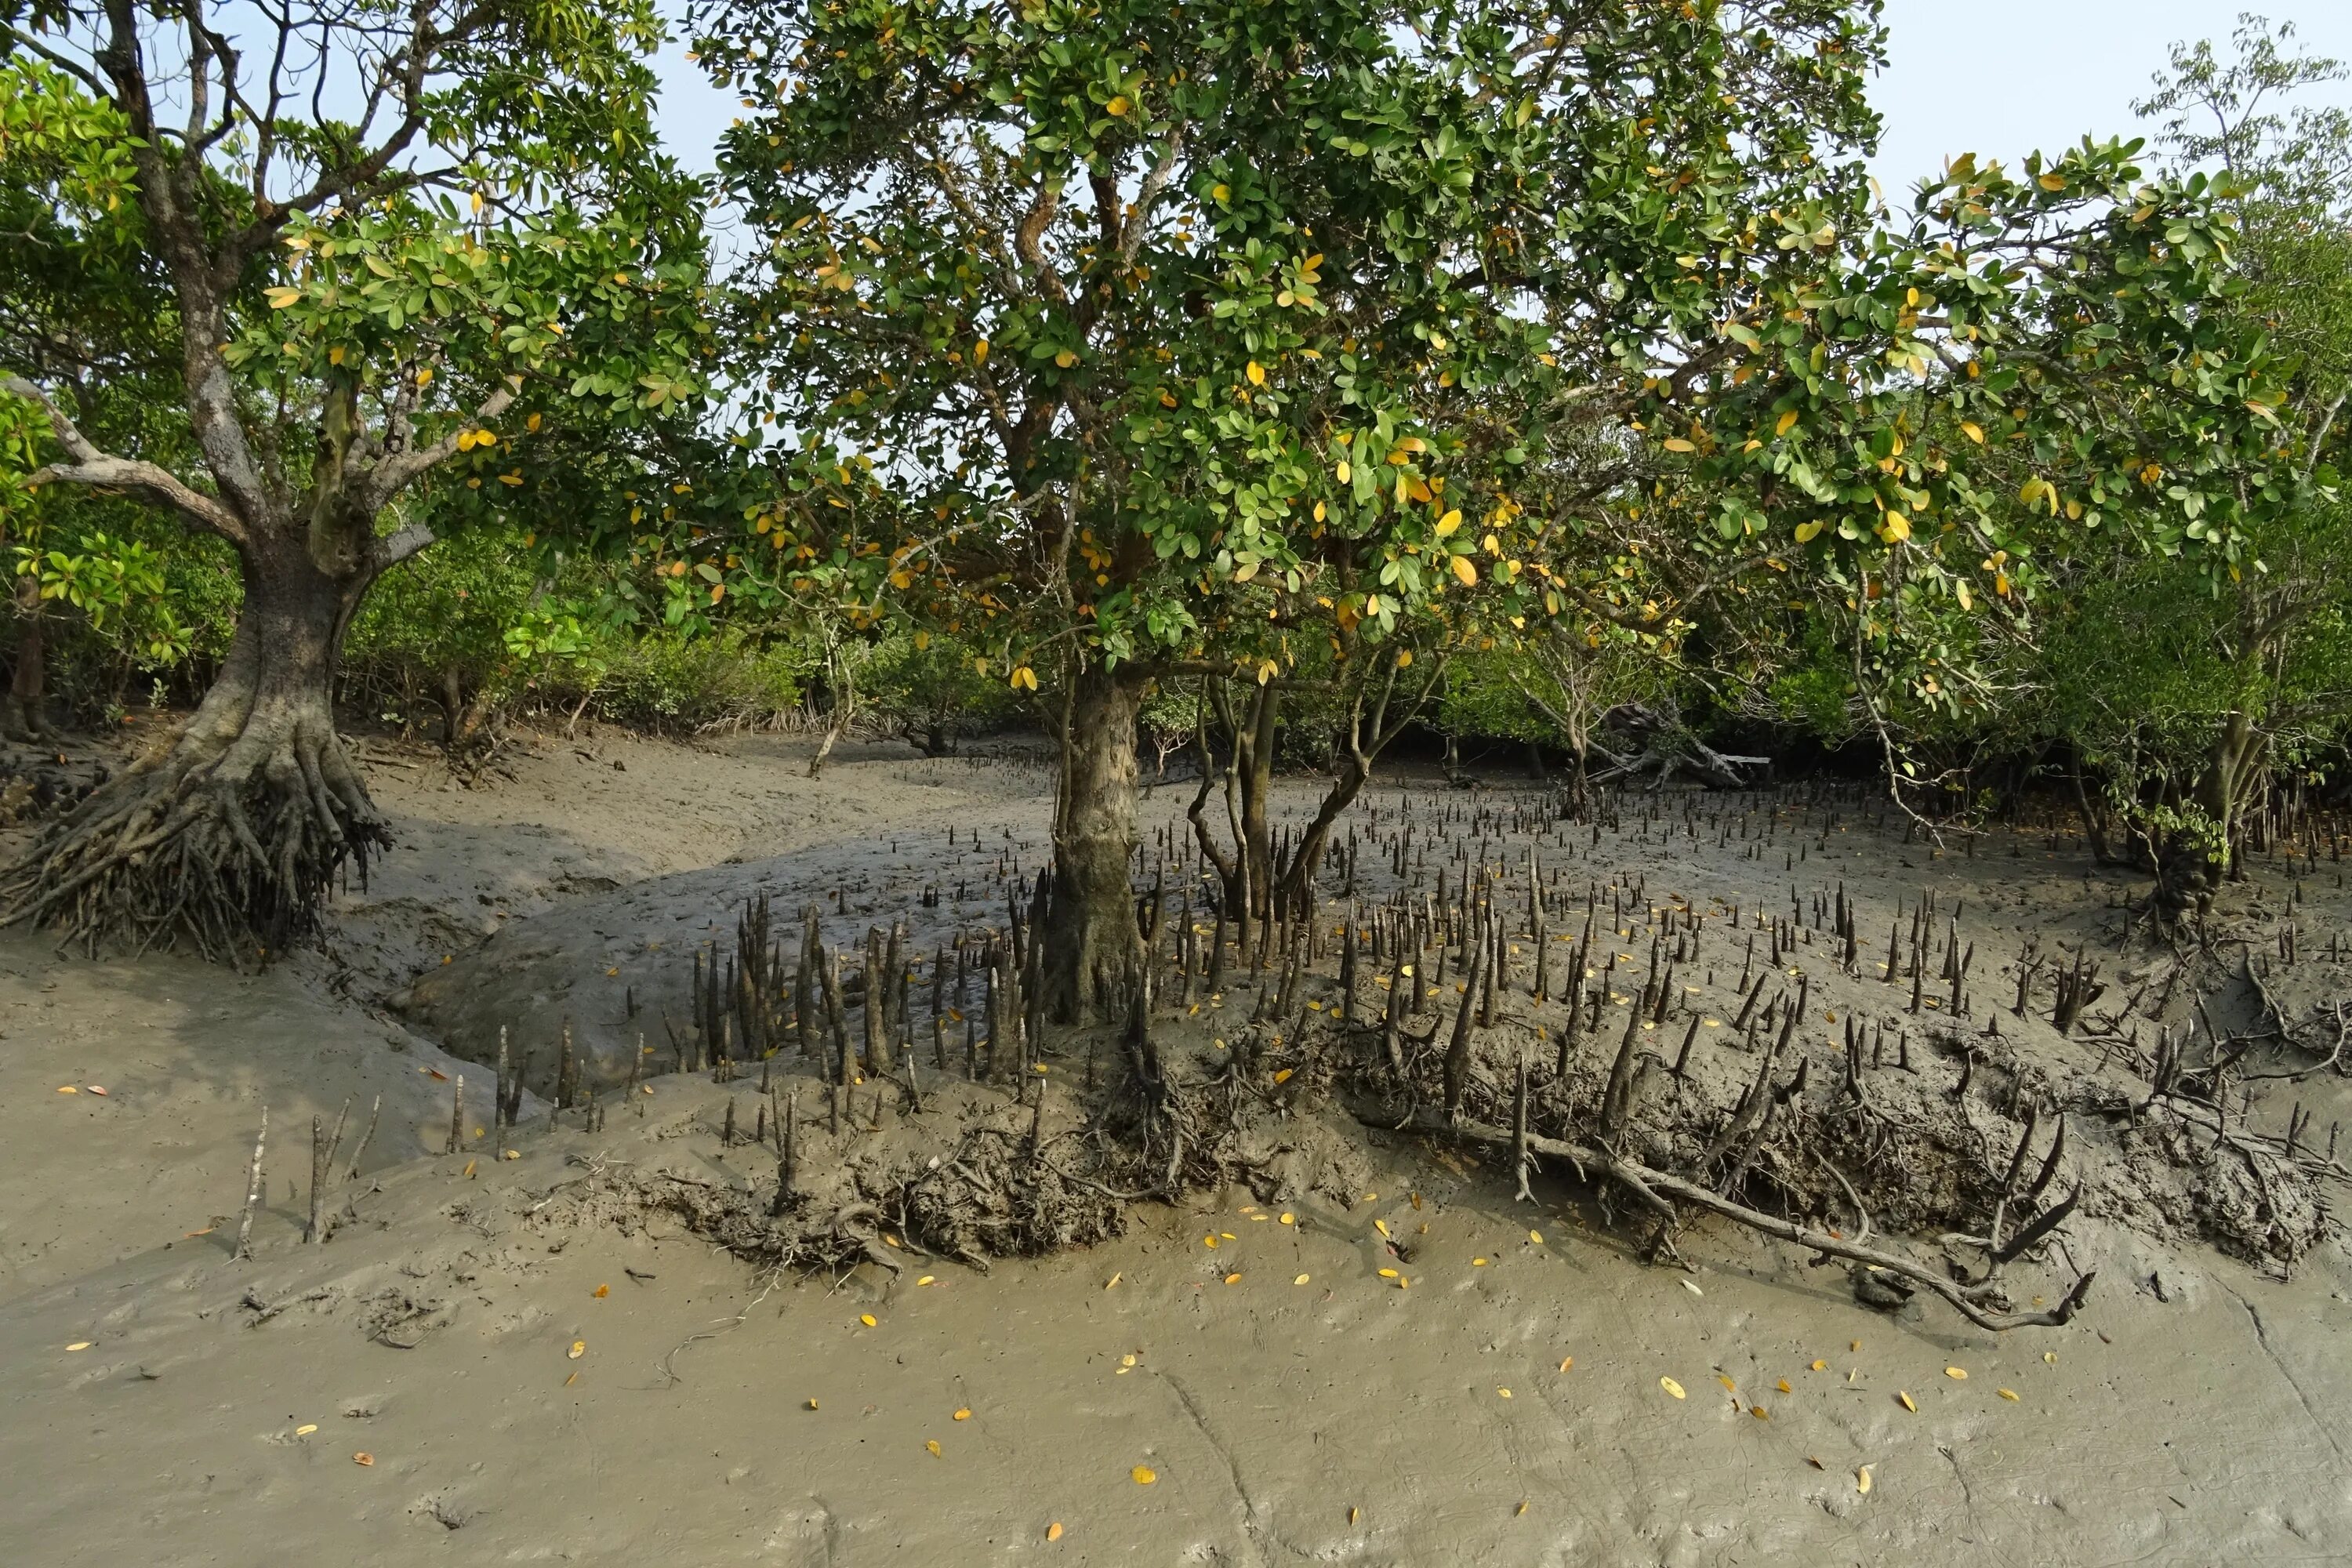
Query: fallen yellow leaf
x=1536, y=1236
x=1144, y=1475
x=1907, y=1403
x=1388, y=1273
x=579, y=1349
x=602, y=1292
x=1728, y=1386
x=1956, y=1373
x=1862, y=1480
x=363, y=1460
x=1821, y=1366
x=927, y=1280
x=2006, y=1392
x=306, y=1431
x=80, y=1344
x=1504, y=1392
x=866, y=1319
x=1054, y=1530
x=1671, y=1387
x=1520, y=1509
x=1234, y=1278
x=1113, y=1281
x=1300, y=1281
x=1783, y=1386
x=1566, y=1362
x=933, y=1444
x=812, y=1405
x=963, y=1414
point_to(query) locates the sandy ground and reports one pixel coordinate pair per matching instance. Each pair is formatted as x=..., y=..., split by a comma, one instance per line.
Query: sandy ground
x=2196, y=1412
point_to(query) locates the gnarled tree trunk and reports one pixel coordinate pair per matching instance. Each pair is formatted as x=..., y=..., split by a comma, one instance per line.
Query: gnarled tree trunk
x=21, y=708
x=1092, y=947
x=231, y=834
x=2190, y=862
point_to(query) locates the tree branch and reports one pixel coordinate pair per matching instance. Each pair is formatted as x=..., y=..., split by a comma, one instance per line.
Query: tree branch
x=149, y=481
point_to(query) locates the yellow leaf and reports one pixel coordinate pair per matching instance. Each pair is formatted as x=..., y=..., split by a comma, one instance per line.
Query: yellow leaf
x=1728, y=1386
x=1671, y=1387
x=1783, y=1386
x=1896, y=531
x=980, y=351
x=1054, y=1530
x=1503, y=1392
x=1343, y=472
x=1956, y=1373
x=80, y=1344
x=1256, y=373
x=1862, y=1480
x=280, y=298
x=1283, y=1076
x=1117, y=106
x=1449, y=523
x=1806, y=531
x=1065, y=359
x=1786, y=423
x=602, y=1292
x=1464, y=571
x=306, y=1431
x=363, y=1460
x=812, y=1405
x=1536, y=1236
x=1405, y=659
x=1388, y=1273
x=933, y=1444
x=2006, y=1392
x=1973, y=431
x=1300, y=1281
x=1676, y=444
x=1566, y=1362
x=1520, y=1509
x=1908, y=1402
x=963, y=1414
x=1234, y=1278
x=579, y=1349
x=2052, y=181
x=1144, y=1475
x=866, y=1319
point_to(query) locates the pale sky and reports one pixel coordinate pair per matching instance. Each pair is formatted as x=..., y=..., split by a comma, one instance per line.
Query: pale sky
x=1998, y=77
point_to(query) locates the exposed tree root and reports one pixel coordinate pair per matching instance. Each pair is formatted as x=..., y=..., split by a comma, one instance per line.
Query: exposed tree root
x=1659, y=1191
x=227, y=839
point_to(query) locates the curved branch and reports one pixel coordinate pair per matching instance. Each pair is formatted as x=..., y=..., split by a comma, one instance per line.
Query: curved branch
x=151, y=481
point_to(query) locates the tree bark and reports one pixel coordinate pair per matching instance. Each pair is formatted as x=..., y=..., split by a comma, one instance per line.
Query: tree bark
x=2192, y=863
x=231, y=836
x=21, y=715
x=1093, y=946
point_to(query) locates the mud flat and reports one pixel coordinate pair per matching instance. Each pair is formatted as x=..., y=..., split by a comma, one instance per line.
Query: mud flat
x=613, y=1344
